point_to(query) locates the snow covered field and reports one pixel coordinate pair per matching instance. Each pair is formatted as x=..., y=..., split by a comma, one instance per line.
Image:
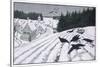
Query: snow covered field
x=47, y=47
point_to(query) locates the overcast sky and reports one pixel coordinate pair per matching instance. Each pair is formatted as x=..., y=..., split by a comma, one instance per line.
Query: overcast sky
x=47, y=10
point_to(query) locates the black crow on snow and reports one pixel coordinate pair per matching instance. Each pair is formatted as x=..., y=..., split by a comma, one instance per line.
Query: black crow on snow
x=89, y=41
x=75, y=38
x=63, y=40
x=75, y=47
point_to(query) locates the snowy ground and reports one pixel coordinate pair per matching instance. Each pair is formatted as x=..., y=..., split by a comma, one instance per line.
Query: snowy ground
x=47, y=48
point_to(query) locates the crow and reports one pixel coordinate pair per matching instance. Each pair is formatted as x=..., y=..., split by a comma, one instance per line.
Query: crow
x=63, y=40
x=75, y=38
x=75, y=47
x=89, y=41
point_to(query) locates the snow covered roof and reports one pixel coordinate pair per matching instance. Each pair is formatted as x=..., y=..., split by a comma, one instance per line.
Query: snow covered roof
x=27, y=28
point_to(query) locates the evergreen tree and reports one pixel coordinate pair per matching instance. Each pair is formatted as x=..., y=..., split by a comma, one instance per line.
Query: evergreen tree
x=77, y=19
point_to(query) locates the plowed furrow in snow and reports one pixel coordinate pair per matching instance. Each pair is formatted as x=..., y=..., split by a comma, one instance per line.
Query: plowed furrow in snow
x=30, y=51
x=64, y=53
x=34, y=54
x=53, y=54
x=30, y=47
x=44, y=55
x=33, y=60
x=33, y=43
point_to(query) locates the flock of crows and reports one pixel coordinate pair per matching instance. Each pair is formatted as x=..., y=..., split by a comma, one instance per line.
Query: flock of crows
x=77, y=46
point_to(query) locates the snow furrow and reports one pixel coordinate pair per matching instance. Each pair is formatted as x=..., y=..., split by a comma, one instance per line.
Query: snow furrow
x=28, y=53
x=31, y=46
x=44, y=55
x=39, y=59
x=29, y=49
x=53, y=54
x=34, y=54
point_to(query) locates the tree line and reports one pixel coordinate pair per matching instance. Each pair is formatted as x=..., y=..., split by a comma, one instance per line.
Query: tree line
x=77, y=19
x=30, y=15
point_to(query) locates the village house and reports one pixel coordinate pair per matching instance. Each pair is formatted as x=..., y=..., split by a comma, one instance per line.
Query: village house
x=32, y=29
